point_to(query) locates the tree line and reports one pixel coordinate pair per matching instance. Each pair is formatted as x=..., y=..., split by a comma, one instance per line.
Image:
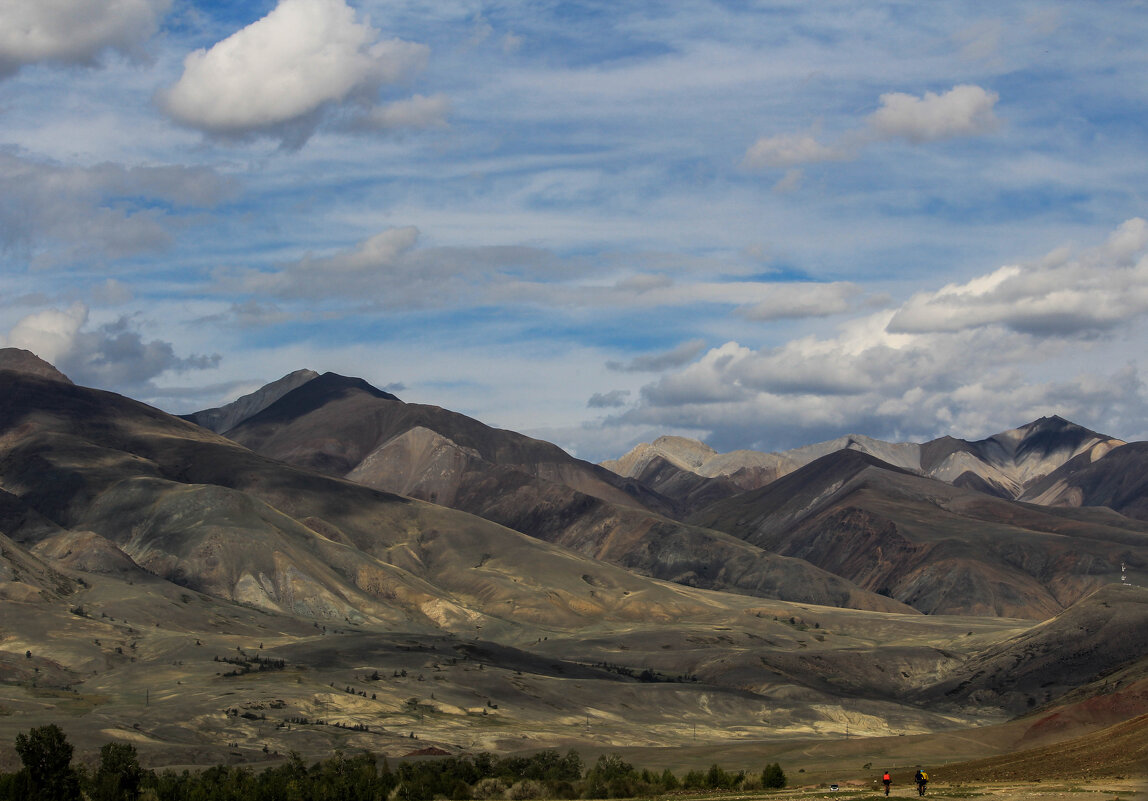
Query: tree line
x=49, y=775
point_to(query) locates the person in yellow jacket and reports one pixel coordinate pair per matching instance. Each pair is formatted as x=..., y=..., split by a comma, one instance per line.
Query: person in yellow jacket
x=922, y=779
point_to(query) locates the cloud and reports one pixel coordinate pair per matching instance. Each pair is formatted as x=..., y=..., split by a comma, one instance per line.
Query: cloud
x=511, y=43
x=980, y=41
x=790, y=301
x=656, y=362
x=390, y=271
x=111, y=355
x=73, y=31
x=789, y=150
x=387, y=270
x=608, y=400
x=51, y=333
x=964, y=110
x=1002, y=348
x=251, y=314
x=366, y=271
x=60, y=214
x=280, y=75
x=415, y=113
x=1063, y=296
x=790, y=182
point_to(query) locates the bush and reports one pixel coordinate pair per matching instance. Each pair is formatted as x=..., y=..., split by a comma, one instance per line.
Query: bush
x=527, y=788
x=694, y=780
x=773, y=777
x=486, y=789
x=561, y=790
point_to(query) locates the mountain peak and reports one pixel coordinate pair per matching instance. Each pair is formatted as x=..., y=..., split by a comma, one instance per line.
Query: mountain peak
x=225, y=418
x=24, y=361
x=314, y=394
x=1050, y=421
x=682, y=452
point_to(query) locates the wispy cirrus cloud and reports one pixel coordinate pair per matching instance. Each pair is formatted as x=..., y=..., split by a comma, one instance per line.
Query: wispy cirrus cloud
x=415, y=113
x=60, y=214
x=682, y=354
x=390, y=270
x=788, y=301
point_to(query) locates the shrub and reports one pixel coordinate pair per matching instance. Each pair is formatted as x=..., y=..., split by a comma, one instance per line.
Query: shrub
x=773, y=777
x=486, y=789
x=527, y=788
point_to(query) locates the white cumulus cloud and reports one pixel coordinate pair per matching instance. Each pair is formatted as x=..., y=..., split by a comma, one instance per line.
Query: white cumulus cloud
x=1060, y=295
x=1057, y=336
x=280, y=74
x=111, y=355
x=789, y=150
x=964, y=110
x=51, y=333
x=73, y=31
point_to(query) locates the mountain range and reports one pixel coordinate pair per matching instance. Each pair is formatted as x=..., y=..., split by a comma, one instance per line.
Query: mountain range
x=320, y=564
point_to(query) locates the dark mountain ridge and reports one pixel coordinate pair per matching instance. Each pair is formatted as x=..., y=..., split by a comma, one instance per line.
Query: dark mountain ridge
x=222, y=418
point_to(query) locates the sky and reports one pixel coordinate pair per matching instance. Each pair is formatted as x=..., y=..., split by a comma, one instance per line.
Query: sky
x=760, y=224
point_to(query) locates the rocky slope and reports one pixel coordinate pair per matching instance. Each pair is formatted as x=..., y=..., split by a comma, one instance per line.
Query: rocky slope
x=198, y=510
x=344, y=427
x=1118, y=481
x=942, y=549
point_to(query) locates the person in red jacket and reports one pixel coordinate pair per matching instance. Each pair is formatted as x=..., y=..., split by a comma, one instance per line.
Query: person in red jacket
x=887, y=780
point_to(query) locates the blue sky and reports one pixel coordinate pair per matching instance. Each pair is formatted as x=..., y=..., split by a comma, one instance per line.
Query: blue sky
x=759, y=224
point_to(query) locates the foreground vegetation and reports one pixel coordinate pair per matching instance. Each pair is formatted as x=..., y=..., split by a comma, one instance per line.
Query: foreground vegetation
x=48, y=775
